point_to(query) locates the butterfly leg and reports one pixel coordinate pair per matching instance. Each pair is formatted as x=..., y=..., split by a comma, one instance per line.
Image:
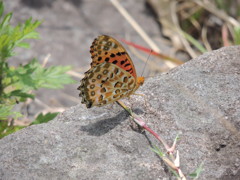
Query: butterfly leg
x=139, y=94
x=134, y=126
x=144, y=96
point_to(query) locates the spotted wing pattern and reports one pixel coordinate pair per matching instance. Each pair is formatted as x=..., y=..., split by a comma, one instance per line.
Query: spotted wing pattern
x=112, y=74
x=106, y=49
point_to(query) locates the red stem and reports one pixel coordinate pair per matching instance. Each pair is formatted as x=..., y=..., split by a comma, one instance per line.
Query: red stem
x=143, y=125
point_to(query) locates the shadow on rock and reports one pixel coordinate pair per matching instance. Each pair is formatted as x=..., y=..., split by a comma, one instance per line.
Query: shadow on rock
x=104, y=126
x=38, y=4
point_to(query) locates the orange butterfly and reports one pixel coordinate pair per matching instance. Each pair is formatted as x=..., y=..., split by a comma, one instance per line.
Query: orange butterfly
x=112, y=74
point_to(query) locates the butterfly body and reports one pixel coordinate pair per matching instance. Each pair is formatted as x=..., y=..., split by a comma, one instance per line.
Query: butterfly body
x=112, y=74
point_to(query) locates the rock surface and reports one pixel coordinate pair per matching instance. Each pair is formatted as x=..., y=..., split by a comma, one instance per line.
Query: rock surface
x=199, y=100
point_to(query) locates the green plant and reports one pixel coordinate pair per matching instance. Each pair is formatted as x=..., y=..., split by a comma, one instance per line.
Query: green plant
x=174, y=165
x=236, y=35
x=17, y=83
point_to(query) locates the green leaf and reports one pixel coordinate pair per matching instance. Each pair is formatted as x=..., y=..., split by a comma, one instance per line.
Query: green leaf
x=34, y=76
x=6, y=111
x=162, y=155
x=44, y=118
x=24, y=45
x=197, y=172
x=158, y=151
x=5, y=129
x=53, y=77
x=6, y=20
x=1, y=8
x=21, y=94
x=177, y=138
x=21, y=77
x=11, y=37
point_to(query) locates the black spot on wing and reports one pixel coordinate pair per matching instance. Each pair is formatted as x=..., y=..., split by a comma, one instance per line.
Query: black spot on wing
x=115, y=62
x=112, y=55
x=126, y=65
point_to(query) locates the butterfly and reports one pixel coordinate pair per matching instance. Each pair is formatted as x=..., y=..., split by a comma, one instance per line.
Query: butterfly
x=112, y=74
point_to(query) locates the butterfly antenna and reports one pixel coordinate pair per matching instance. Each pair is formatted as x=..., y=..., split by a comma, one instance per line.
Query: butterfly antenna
x=146, y=62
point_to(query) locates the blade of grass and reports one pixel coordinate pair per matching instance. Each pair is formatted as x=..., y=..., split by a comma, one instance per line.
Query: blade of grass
x=194, y=42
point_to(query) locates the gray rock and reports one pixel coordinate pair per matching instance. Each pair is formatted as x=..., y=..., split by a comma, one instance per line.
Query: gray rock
x=199, y=100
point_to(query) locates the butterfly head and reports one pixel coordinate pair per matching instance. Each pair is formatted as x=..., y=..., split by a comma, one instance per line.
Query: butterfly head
x=140, y=81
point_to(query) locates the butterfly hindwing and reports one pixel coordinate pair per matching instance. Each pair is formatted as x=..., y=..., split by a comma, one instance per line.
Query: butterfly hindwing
x=105, y=83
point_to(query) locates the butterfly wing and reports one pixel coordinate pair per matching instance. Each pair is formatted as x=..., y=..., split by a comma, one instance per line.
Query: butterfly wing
x=107, y=49
x=106, y=83
x=112, y=74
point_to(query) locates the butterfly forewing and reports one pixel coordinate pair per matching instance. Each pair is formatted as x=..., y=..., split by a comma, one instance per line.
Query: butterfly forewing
x=106, y=49
x=104, y=84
